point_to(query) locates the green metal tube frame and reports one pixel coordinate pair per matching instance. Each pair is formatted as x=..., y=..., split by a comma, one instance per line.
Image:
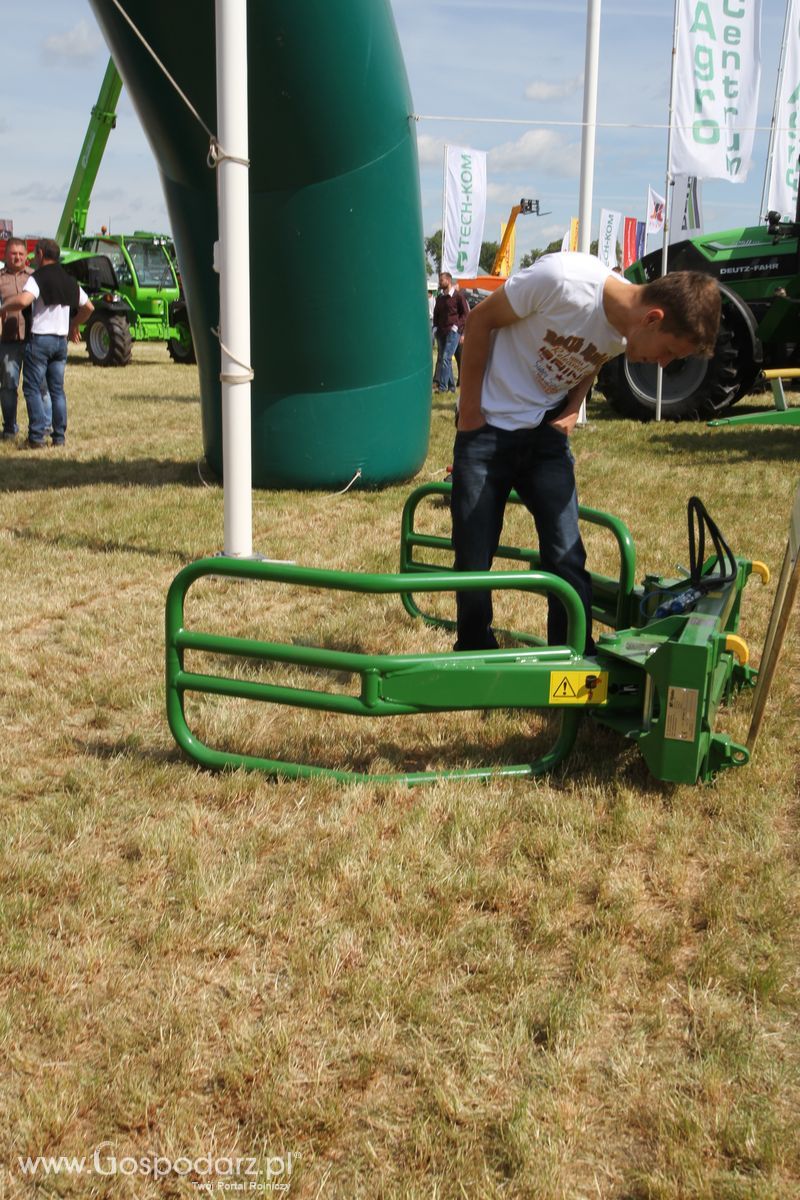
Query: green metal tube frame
x=179, y=681
x=621, y=596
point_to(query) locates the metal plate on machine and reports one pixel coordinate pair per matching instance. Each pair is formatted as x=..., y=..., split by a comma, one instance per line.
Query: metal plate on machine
x=681, y=714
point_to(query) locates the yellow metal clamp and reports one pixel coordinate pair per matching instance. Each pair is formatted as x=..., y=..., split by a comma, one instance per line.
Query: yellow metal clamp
x=762, y=570
x=738, y=647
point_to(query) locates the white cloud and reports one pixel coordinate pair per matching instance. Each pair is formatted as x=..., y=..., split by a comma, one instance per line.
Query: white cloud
x=542, y=89
x=73, y=47
x=430, y=150
x=539, y=149
x=41, y=193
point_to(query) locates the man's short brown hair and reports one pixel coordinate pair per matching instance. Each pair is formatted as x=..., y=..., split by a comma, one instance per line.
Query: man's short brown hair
x=50, y=249
x=15, y=241
x=692, y=305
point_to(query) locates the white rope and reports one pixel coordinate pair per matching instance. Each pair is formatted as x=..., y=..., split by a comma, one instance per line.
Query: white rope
x=346, y=489
x=204, y=482
x=224, y=376
x=566, y=124
x=216, y=153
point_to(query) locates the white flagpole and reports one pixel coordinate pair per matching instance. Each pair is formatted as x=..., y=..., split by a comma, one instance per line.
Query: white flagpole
x=589, y=137
x=234, y=268
x=668, y=189
x=771, y=148
x=444, y=204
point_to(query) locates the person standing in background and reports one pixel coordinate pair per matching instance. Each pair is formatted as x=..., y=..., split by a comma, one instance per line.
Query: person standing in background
x=450, y=314
x=13, y=334
x=60, y=307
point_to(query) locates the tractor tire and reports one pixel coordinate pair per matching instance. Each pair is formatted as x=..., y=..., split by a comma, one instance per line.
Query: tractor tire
x=181, y=348
x=693, y=388
x=108, y=340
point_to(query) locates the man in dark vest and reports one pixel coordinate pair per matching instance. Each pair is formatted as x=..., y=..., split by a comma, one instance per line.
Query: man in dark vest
x=60, y=307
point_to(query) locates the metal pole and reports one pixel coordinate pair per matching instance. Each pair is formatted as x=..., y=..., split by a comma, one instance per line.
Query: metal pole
x=589, y=125
x=234, y=268
x=668, y=186
x=589, y=136
x=771, y=147
x=444, y=206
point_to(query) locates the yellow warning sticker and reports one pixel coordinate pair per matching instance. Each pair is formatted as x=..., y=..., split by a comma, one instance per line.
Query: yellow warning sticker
x=578, y=687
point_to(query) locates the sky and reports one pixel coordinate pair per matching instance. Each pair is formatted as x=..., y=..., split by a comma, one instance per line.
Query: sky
x=489, y=65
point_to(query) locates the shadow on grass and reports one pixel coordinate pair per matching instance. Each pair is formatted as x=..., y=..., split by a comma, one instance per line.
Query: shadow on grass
x=617, y=763
x=132, y=747
x=729, y=445
x=99, y=545
x=600, y=757
x=47, y=470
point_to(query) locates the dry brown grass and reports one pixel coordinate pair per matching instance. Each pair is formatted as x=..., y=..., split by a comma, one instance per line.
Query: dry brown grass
x=584, y=986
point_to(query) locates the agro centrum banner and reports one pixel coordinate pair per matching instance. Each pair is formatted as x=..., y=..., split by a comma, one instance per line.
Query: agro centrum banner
x=716, y=88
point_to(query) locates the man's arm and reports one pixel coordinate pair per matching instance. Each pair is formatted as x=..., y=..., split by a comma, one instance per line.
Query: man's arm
x=16, y=303
x=80, y=318
x=567, y=419
x=492, y=313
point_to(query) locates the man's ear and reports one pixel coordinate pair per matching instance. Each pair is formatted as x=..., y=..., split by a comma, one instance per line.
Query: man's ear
x=653, y=316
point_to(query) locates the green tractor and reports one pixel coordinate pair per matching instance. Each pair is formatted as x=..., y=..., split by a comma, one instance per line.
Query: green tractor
x=131, y=279
x=758, y=271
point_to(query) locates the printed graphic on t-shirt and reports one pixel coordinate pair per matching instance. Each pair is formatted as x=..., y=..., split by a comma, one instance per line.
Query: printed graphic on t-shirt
x=565, y=360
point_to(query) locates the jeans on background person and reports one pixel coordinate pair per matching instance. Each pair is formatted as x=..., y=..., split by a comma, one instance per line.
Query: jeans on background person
x=446, y=343
x=487, y=463
x=44, y=366
x=10, y=367
x=11, y=357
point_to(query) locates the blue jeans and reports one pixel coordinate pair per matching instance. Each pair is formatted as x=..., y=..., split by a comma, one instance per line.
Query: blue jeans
x=10, y=366
x=446, y=347
x=487, y=463
x=44, y=366
x=11, y=355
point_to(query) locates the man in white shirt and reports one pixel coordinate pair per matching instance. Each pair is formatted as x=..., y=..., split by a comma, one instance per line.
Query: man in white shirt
x=60, y=307
x=532, y=352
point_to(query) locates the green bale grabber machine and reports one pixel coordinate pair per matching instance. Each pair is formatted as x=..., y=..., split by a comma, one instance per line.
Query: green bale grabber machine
x=670, y=657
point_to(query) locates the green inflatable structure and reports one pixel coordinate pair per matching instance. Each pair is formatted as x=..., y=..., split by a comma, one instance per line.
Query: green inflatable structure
x=340, y=334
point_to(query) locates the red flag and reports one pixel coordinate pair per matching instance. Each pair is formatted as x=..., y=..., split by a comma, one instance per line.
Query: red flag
x=629, y=243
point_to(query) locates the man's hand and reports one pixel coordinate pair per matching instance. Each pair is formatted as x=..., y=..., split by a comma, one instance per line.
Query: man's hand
x=74, y=332
x=467, y=425
x=565, y=423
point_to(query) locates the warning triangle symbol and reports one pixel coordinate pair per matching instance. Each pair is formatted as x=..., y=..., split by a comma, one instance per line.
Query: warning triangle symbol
x=565, y=688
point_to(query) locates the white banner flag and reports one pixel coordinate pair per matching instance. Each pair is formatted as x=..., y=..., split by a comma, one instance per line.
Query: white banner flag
x=785, y=150
x=608, y=237
x=686, y=218
x=716, y=88
x=465, y=209
x=655, y=212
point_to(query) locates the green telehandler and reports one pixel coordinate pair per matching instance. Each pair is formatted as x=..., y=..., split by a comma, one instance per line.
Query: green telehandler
x=131, y=279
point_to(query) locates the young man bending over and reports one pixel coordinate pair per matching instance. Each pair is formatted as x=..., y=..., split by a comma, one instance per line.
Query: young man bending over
x=531, y=353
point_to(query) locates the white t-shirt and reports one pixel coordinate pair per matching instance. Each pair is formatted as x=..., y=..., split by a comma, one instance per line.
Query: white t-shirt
x=563, y=336
x=50, y=318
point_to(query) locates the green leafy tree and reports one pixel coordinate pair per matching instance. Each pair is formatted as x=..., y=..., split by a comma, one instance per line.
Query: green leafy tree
x=433, y=253
x=487, y=256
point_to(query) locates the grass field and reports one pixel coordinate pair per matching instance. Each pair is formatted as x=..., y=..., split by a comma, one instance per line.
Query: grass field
x=576, y=987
